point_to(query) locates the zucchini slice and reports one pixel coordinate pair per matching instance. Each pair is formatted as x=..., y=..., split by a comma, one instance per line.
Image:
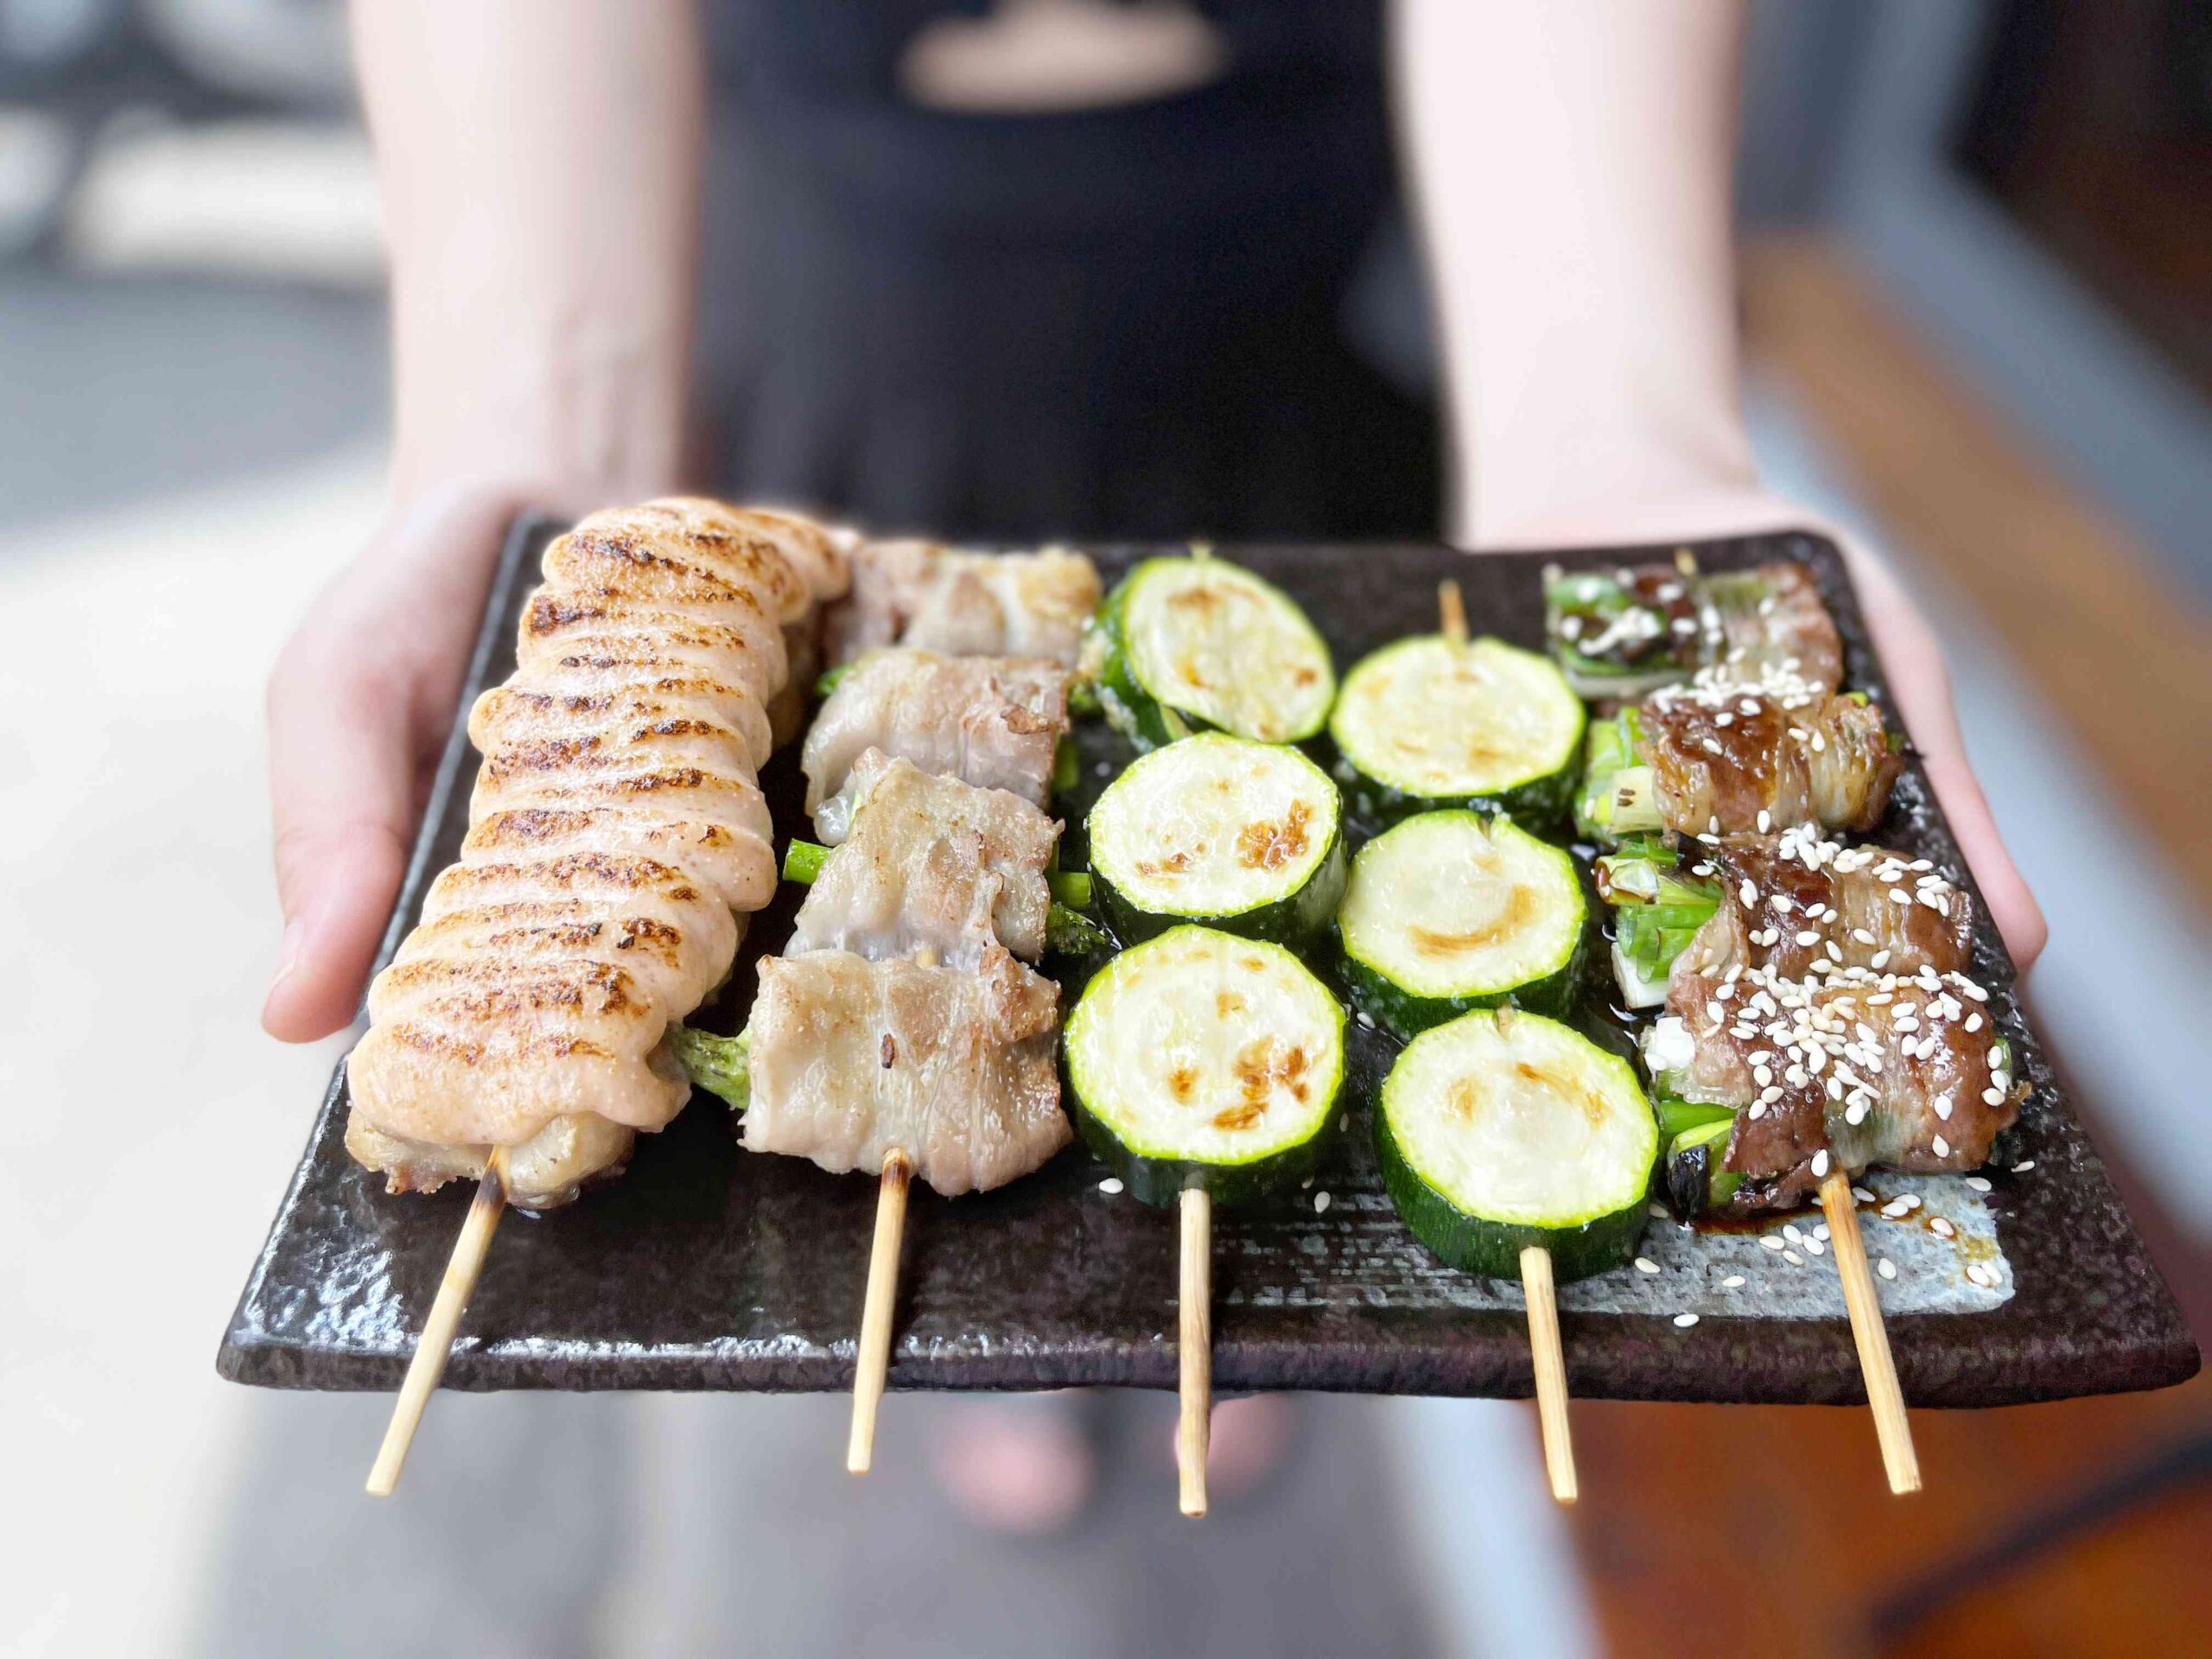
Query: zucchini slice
x=1200, y=1058
x=1504, y=1129
x=1183, y=644
x=1243, y=837
x=1449, y=912
x=1427, y=722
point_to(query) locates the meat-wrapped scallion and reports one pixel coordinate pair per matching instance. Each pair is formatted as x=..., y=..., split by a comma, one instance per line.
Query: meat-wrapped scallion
x=1624, y=631
x=1854, y=1069
x=1795, y=904
x=1722, y=759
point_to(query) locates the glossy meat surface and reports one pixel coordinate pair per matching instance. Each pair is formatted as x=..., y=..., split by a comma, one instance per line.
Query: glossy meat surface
x=1731, y=758
x=1803, y=907
x=1906, y=1072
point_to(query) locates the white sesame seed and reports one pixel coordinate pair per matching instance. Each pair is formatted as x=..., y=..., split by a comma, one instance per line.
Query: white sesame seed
x=1733, y=1281
x=1685, y=1320
x=1822, y=1231
x=1942, y=1227
x=2024, y=1166
x=1979, y=1183
x=1942, y=1148
x=1111, y=1184
x=1984, y=1276
x=1645, y=1264
x=1793, y=1258
x=1765, y=819
x=1862, y=1195
x=1820, y=1163
x=1789, y=1231
x=1943, y=1107
x=1887, y=1267
x=1659, y=1212
x=1813, y=1247
x=1769, y=1242
x=1320, y=1201
x=1993, y=1096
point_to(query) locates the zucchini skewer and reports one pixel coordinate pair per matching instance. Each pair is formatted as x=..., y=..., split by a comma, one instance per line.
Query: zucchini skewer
x=1216, y=829
x=1512, y=1145
x=1182, y=645
x=1201, y=1066
x=1441, y=719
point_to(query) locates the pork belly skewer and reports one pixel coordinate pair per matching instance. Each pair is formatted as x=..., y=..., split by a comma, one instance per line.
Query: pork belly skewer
x=902, y=1032
x=617, y=839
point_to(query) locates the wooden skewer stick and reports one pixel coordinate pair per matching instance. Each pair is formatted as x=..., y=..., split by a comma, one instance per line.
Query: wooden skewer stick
x=1454, y=612
x=875, y=1315
x=435, y=1343
x=1898, y=1457
x=1551, y=1371
x=1195, y=1347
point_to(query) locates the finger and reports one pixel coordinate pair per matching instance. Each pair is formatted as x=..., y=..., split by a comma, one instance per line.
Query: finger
x=341, y=785
x=1921, y=685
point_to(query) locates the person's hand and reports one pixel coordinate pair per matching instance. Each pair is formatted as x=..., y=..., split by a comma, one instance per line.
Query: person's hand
x=1918, y=681
x=360, y=705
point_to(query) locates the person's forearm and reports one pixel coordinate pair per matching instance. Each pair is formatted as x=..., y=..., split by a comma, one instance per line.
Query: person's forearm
x=538, y=162
x=1571, y=165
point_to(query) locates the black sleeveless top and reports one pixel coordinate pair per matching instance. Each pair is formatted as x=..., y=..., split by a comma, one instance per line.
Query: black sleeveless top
x=1122, y=323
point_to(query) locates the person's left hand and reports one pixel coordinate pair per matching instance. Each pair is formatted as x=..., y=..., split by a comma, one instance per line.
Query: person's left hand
x=1914, y=660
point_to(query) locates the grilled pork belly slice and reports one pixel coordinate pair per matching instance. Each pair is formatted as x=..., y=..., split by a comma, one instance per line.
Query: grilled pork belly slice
x=928, y=862
x=1868, y=1068
x=936, y=598
x=992, y=722
x=548, y=1169
x=1773, y=624
x=1723, y=753
x=1800, y=906
x=955, y=1066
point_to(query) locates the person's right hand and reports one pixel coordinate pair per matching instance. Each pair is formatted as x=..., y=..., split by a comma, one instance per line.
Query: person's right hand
x=360, y=705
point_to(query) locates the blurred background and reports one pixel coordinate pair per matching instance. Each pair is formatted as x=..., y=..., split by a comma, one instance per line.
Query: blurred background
x=1977, y=290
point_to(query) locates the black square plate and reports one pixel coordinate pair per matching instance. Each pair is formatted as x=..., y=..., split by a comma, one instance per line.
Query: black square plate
x=705, y=1268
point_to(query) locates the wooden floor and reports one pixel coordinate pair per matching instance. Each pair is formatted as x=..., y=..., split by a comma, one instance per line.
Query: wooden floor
x=1711, y=1530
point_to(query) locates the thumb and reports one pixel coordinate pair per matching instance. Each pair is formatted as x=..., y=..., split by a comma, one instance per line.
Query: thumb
x=341, y=785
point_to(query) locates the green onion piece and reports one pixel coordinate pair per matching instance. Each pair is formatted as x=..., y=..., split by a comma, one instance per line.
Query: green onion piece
x=803, y=861
x=1072, y=887
x=1677, y=1116
x=1082, y=697
x=1067, y=767
x=827, y=682
x=1073, y=935
x=721, y=1065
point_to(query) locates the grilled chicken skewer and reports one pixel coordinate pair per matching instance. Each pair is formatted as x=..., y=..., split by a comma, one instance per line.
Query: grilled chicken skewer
x=617, y=839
